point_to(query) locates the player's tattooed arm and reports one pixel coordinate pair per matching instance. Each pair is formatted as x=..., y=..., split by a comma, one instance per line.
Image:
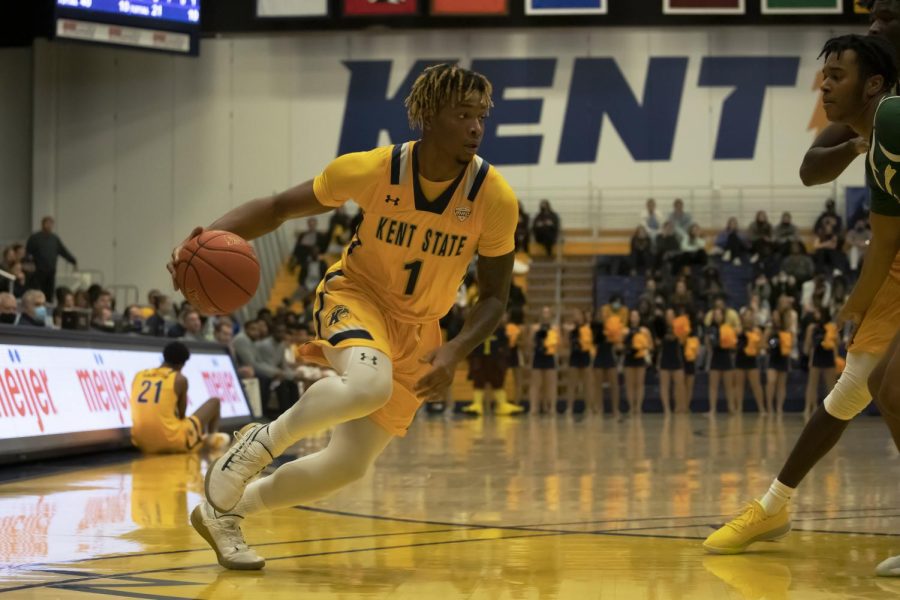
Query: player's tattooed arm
x=494, y=277
x=830, y=154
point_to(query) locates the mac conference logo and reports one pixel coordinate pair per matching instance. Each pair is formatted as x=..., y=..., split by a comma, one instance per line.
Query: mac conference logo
x=463, y=212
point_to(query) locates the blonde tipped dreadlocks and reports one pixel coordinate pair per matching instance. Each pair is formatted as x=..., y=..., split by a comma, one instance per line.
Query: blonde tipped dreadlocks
x=440, y=85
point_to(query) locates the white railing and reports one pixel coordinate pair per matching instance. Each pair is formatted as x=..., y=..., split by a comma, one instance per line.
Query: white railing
x=595, y=209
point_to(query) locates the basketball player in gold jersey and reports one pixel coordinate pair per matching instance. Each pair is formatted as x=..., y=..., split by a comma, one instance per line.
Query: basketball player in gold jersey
x=430, y=206
x=159, y=406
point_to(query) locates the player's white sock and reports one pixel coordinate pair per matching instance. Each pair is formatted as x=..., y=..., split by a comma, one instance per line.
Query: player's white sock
x=251, y=502
x=364, y=387
x=777, y=496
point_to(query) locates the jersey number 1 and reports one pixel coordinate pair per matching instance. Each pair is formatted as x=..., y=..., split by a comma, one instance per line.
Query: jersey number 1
x=414, y=268
x=145, y=387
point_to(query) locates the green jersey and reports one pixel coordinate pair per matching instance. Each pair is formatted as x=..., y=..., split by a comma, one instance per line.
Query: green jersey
x=883, y=158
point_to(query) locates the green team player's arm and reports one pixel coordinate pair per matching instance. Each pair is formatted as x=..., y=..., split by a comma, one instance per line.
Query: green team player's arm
x=831, y=152
x=883, y=249
x=494, y=277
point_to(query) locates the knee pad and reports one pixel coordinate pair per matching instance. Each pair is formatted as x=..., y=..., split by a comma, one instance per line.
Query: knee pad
x=367, y=373
x=851, y=392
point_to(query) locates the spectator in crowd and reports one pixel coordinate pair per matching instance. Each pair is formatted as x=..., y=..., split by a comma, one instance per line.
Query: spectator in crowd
x=544, y=365
x=783, y=285
x=20, y=282
x=45, y=248
x=546, y=227
x=224, y=334
x=668, y=246
x=693, y=247
x=641, y=258
x=830, y=213
x=820, y=345
x=247, y=355
x=311, y=273
x=192, y=325
x=721, y=340
x=760, y=236
x=682, y=299
x=858, y=240
x=731, y=243
x=797, y=264
x=102, y=319
x=650, y=221
x=65, y=299
x=750, y=347
x=9, y=258
x=680, y=219
x=306, y=241
x=652, y=292
x=779, y=344
x=758, y=305
x=271, y=351
x=826, y=253
x=9, y=309
x=616, y=306
x=785, y=234
x=339, y=233
x=159, y=322
x=523, y=233
x=34, y=309
x=608, y=329
x=133, y=319
x=815, y=293
x=638, y=349
x=840, y=289
x=711, y=286
x=82, y=300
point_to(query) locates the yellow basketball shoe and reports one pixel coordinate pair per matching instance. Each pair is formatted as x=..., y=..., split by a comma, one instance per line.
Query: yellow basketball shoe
x=502, y=405
x=477, y=405
x=752, y=525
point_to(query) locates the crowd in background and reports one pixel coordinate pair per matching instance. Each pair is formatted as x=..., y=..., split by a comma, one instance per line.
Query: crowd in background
x=684, y=320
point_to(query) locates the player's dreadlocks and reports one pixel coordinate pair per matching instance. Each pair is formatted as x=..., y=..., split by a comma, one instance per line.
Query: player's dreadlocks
x=874, y=54
x=442, y=84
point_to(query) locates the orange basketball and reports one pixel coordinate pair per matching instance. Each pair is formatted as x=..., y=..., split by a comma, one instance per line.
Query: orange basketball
x=217, y=272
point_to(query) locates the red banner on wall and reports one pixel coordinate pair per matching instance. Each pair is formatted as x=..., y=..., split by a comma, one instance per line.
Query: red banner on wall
x=469, y=7
x=369, y=8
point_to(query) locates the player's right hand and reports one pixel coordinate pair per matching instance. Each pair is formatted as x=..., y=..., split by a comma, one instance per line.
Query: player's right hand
x=860, y=145
x=174, y=258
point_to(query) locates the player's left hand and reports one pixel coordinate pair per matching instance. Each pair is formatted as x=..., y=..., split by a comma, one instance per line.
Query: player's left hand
x=432, y=386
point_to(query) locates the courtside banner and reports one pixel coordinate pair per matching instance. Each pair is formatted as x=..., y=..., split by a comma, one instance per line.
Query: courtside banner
x=48, y=390
x=291, y=8
x=805, y=7
x=380, y=8
x=469, y=7
x=566, y=7
x=704, y=7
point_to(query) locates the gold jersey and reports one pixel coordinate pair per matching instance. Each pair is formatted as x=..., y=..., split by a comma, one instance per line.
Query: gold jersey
x=417, y=237
x=154, y=405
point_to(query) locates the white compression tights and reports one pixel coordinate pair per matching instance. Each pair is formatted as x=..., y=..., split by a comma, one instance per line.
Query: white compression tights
x=353, y=448
x=343, y=402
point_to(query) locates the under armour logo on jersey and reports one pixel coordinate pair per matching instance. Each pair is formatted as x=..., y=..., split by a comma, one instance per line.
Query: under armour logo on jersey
x=363, y=357
x=388, y=198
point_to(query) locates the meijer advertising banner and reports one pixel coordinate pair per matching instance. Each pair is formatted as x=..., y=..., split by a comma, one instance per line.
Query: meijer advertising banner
x=50, y=390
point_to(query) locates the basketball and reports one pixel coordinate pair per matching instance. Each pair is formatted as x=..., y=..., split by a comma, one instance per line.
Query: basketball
x=217, y=272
